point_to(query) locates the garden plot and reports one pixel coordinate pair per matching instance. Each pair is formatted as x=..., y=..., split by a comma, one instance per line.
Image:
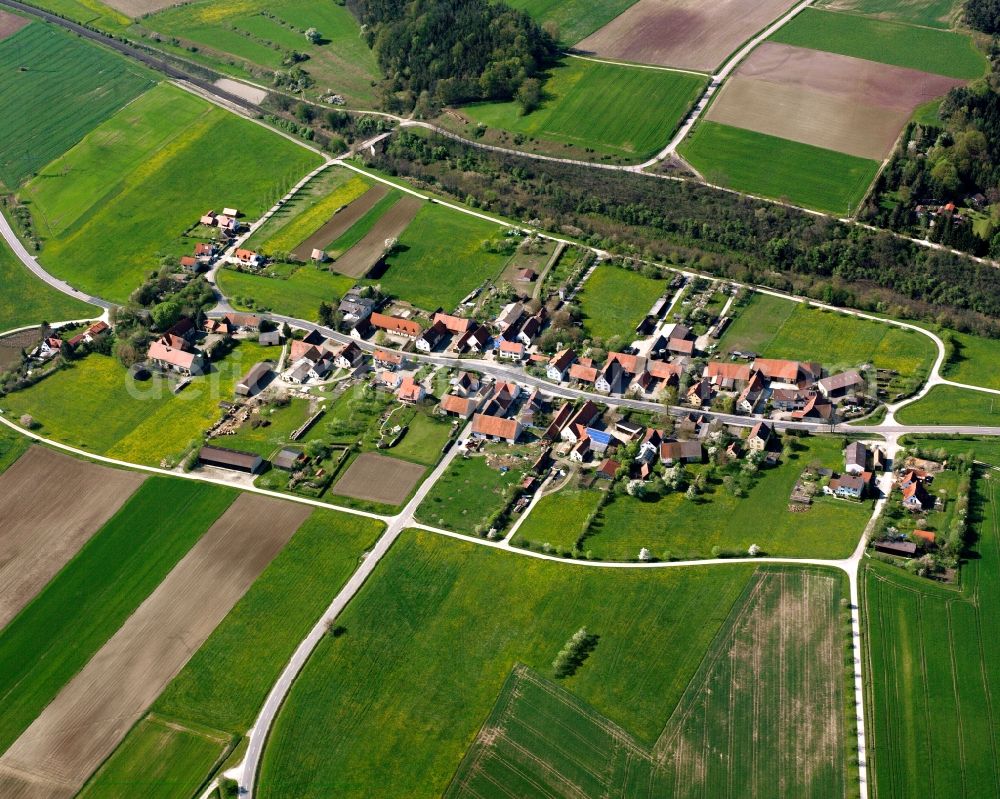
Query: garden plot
x=359, y=260
x=42, y=532
x=91, y=715
x=377, y=478
x=339, y=223
x=687, y=34
x=827, y=100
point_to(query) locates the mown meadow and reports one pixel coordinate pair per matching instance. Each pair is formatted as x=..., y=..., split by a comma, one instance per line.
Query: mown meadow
x=25, y=300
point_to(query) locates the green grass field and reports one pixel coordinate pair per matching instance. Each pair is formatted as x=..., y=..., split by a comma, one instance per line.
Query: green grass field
x=12, y=446
x=424, y=439
x=778, y=328
x=141, y=422
x=467, y=494
x=930, y=13
x=86, y=603
x=26, y=300
x=559, y=519
x=250, y=34
x=88, y=12
x=950, y=405
x=265, y=440
x=160, y=759
x=673, y=526
x=440, y=258
x=613, y=301
x=801, y=174
x=297, y=295
x=73, y=86
x=390, y=707
x=975, y=361
x=775, y=651
x=619, y=110
x=933, y=686
x=575, y=19
x=940, y=52
x=118, y=231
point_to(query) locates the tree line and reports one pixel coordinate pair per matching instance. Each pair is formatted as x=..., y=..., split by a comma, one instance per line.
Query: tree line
x=688, y=224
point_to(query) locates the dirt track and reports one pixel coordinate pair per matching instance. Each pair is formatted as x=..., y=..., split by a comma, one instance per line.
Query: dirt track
x=11, y=24
x=378, y=478
x=827, y=100
x=340, y=222
x=94, y=711
x=359, y=260
x=50, y=506
x=687, y=34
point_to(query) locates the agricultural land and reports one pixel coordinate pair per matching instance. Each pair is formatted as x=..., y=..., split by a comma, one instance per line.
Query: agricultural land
x=27, y=301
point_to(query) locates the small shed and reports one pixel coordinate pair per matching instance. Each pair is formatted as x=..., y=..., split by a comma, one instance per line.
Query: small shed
x=318, y=255
x=272, y=338
x=903, y=549
x=288, y=459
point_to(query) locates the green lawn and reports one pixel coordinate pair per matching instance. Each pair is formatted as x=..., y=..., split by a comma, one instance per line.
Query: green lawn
x=467, y=494
x=955, y=406
x=975, y=362
x=119, y=230
x=390, y=707
x=54, y=89
x=933, y=685
x=297, y=295
x=159, y=759
x=242, y=36
x=618, y=110
x=931, y=13
x=559, y=519
x=937, y=51
x=86, y=603
x=266, y=440
x=348, y=188
x=141, y=422
x=673, y=526
x=424, y=439
x=776, y=327
x=12, y=446
x=614, y=300
x=574, y=19
x=801, y=174
x=26, y=300
x=440, y=258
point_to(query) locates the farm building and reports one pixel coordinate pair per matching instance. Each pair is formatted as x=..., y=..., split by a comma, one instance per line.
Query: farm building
x=855, y=458
x=231, y=459
x=454, y=405
x=254, y=380
x=175, y=360
x=680, y=452
x=272, y=338
x=288, y=459
x=559, y=364
x=760, y=437
x=840, y=385
x=394, y=324
x=496, y=428
x=905, y=549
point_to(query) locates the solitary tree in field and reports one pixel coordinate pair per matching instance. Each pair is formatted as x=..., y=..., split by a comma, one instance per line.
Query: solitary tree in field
x=754, y=551
x=645, y=554
x=314, y=36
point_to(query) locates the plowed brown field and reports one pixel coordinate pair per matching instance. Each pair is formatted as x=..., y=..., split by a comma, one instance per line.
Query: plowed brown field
x=827, y=100
x=90, y=716
x=359, y=260
x=11, y=24
x=340, y=223
x=50, y=506
x=687, y=34
x=378, y=478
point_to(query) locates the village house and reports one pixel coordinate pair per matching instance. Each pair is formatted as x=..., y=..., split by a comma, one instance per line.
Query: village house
x=297, y=350
x=788, y=374
x=431, y=338
x=466, y=383
x=856, y=458
x=254, y=380
x=915, y=495
x=559, y=365
x=700, y=394
x=348, y=356
x=321, y=367
x=475, y=339
x=243, y=322
x=649, y=448
x=531, y=328
x=249, y=258
x=848, y=486
x=203, y=250
x=511, y=350
x=272, y=338
x=607, y=470
x=410, y=391
x=353, y=307
x=189, y=263
x=583, y=374
x=789, y=399
x=456, y=325
x=600, y=440
x=407, y=328
x=456, y=405
x=49, y=348
x=559, y=422
x=680, y=340
x=672, y=452
x=175, y=360
x=840, y=385
x=391, y=380
x=815, y=409
x=218, y=327
x=580, y=450
x=509, y=315
x=613, y=379
x=751, y=395
x=760, y=437
x=727, y=376
x=91, y=334
x=584, y=417
x=386, y=359
x=495, y=428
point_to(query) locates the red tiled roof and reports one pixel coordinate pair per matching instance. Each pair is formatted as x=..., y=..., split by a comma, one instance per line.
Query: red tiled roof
x=495, y=426
x=396, y=325
x=454, y=324
x=721, y=370
x=586, y=373
x=158, y=351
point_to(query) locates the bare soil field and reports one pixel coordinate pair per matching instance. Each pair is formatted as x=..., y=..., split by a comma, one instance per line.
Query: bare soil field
x=11, y=24
x=687, y=34
x=11, y=346
x=91, y=715
x=241, y=89
x=340, y=222
x=827, y=100
x=50, y=506
x=137, y=8
x=359, y=260
x=377, y=478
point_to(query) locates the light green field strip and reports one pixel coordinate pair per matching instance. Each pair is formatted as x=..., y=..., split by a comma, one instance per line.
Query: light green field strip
x=574, y=19
x=940, y=52
x=951, y=405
